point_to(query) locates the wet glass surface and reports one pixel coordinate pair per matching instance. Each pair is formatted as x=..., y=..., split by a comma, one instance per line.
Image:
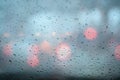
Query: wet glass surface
x=59, y=39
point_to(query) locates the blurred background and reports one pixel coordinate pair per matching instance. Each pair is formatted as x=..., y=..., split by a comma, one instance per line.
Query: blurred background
x=77, y=38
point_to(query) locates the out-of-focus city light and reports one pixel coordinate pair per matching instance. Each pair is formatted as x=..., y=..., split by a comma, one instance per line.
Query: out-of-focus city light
x=7, y=49
x=33, y=60
x=91, y=17
x=117, y=52
x=53, y=33
x=63, y=51
x=90, y=33
x=45, y=46
x=37, y=34
x=114, y=19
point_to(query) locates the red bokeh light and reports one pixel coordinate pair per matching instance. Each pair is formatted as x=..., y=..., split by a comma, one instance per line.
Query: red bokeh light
x=33, y=60
x=7, y=49
x=90, y=33
x=63, y=51
x=117, y=52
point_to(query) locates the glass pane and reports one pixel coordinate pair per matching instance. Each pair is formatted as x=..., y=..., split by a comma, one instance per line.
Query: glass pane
x=59, y=39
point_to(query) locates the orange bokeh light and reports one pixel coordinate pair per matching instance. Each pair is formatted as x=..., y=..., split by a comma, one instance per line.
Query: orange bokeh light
x=90, y=33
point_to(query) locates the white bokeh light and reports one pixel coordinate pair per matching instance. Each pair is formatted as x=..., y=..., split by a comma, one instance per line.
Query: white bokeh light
x=91, y=17
x=114, y=19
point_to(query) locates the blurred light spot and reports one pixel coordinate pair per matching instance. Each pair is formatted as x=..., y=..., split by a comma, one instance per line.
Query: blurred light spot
x=37, y=34
x=6, y=34
x=34, y=49
x=117, y=52
x=45, y=46
x=92, y=17
x=7, y=49
x=90, y=33
x=114, y=18
x=53, y=33
x=63, y=51
x=33, y=60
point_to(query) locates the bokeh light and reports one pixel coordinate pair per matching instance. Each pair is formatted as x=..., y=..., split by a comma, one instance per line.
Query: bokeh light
x=37, y=34
x=117, y=52
x=63, y=51
x=33, y=60
x=90, y=33
x=7, y=49
x=45, y=46
x=53, y=34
